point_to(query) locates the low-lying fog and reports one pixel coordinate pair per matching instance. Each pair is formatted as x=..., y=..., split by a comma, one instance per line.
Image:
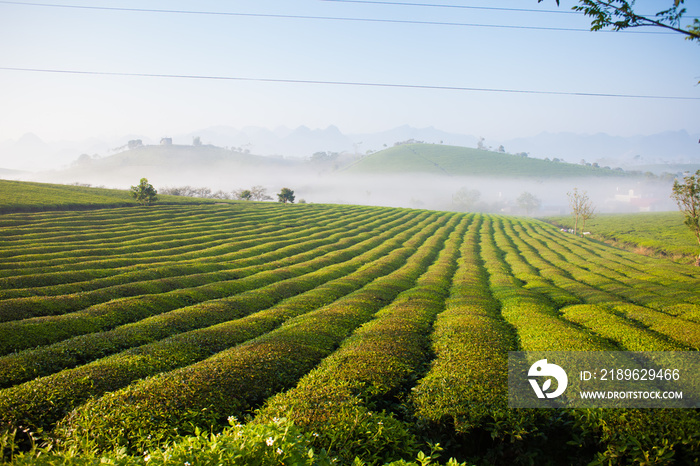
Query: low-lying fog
x=437, y=192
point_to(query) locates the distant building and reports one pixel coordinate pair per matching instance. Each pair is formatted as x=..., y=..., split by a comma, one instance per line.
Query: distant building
x=637, y=201
x=166, y=142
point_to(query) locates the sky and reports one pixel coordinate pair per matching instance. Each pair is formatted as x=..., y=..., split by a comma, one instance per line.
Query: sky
x=293, y=63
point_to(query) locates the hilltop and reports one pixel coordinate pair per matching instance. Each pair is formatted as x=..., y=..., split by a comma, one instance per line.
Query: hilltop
x=464, y=161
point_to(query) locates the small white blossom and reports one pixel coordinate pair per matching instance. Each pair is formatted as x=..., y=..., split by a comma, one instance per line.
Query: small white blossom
x=279, y=451
x=270, y=441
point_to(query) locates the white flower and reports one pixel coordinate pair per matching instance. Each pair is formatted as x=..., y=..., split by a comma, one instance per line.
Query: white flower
x=279, y=451
x=187, y=463
x=270, y=441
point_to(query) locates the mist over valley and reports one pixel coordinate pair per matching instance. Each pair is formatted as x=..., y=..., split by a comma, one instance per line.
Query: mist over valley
x=412, y=172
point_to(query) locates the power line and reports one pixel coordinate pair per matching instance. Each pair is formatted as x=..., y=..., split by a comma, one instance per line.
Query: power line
x=324, y=18
x=348, y=83
x=461, y=7
x=466, y=7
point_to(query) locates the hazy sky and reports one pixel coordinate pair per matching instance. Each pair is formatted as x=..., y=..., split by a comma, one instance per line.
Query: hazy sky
x=268, y=44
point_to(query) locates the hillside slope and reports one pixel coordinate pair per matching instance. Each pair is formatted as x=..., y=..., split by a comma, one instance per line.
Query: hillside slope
x=24, y=196
x=662, y=233
x=452, y=160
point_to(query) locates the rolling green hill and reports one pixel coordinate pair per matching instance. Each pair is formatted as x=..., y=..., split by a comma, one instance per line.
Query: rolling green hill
x=22, y=196
x=452, y=160
x=180, y=156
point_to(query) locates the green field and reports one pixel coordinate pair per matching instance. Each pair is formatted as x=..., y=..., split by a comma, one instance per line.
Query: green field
x=22, y=196
x=452, y=160
x=660, y=233
x=257, y=333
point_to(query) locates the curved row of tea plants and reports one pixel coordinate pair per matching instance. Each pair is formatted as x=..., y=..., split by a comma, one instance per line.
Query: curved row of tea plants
x=378, y=330
x=275, y=252
x=356, y=388
x=237, y=380
x=43, y=401
x=27, y=333
x=25, y=365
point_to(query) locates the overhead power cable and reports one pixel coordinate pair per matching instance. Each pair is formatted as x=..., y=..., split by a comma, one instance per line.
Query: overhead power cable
x=350, y=83
x=466, y=7
x=461, y=7
x=324, y=18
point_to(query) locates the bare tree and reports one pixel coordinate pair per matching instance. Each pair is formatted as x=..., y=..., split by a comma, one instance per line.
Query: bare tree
x=587, y=213
x=258, y=193
x=581, y=207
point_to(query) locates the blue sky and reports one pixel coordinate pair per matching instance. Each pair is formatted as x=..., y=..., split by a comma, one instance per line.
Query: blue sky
x=69, y=106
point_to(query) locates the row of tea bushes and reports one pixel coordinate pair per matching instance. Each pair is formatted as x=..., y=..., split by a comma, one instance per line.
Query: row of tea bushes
x=17, y=335
x=348, y=400
x=465, y=387
x=275, y=253
x=42, y=402
x=68, y=353
x=235, y=381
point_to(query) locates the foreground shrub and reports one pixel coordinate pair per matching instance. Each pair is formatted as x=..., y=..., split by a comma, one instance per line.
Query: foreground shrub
x=274, y=443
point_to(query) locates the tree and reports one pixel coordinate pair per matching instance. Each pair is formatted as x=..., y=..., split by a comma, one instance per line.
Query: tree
x=581, y=207
x=134, y=143
x=258, y=193
x=286, y=195
x=144, y=192
x=244, y=195
x=587, y=213
x=620, y=15
x=528, y=202
x=465, y=199
x=687, y=196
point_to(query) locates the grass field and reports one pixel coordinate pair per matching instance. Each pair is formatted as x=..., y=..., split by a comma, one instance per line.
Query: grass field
x=262, y=333
x=661, y=233
x=21, y=196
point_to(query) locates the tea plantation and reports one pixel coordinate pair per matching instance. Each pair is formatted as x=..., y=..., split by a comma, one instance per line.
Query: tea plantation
x=261, y=333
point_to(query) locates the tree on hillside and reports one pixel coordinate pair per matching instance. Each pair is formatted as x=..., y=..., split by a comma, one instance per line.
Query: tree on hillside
x=134, y=143
x=244, y=195
x=465, y=199
x=286, y=195
x=258, y=193
x=620, y=14
x=581, y=207
x=687, y=196
x=528, y=202
x=144, y=192
x=587, y=213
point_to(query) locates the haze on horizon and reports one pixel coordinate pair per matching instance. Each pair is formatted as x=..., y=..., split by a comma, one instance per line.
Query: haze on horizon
x=269, y=42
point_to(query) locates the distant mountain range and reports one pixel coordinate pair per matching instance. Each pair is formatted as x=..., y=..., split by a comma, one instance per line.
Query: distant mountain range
x=662, y=151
